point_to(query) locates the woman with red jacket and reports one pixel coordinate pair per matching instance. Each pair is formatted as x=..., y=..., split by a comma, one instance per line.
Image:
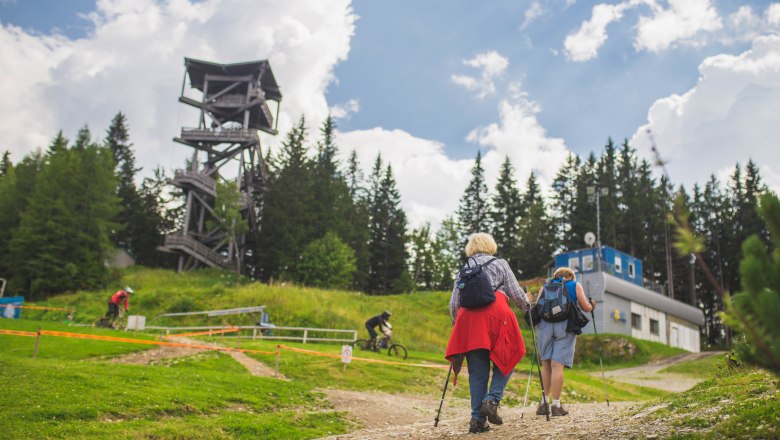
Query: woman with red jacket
x=487, y=334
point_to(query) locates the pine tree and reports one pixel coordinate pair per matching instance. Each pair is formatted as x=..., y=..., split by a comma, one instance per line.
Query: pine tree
x=357, y=220
x=506, y=214
x=474, y=208
x=422, y=257
x=69, y=213
x=387, y=234
x=227, y=218
x=755, y=309
x=5, y=163
x=448, y=250
x=607, y=185
x=564, y=200
x=537, y=233
x=287, y=224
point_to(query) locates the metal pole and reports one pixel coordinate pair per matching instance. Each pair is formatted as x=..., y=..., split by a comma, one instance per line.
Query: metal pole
x=603, y=379
x=446, y=382
x=537, y=356
x=37, y=341
x=528, y=385
x=598, y=220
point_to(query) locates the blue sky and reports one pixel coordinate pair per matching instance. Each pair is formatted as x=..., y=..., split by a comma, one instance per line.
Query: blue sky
x=426, y=84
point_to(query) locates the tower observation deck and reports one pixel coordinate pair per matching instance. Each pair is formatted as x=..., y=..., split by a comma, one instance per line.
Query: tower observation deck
x=233, y=106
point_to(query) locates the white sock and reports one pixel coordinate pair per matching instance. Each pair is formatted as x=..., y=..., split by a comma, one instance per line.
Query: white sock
x=556, y=402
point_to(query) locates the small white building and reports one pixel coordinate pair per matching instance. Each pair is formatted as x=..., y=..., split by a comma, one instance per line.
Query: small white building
x=624, y=306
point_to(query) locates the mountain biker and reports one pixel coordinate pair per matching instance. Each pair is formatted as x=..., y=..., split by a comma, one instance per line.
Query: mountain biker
x=120, y=297
x=377, y=321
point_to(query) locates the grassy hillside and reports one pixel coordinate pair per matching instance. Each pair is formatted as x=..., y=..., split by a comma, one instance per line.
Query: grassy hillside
x=73, y=389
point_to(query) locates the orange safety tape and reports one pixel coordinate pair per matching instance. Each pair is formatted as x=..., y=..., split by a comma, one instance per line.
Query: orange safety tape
x=11, y=306
x=208, y=332
x=375, y=361
x=18, y=333
x=130, y=341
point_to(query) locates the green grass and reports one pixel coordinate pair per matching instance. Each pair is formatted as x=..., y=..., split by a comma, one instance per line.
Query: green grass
x=739, y=402
x=704, y=367
x=71, y=390
x=205, y=396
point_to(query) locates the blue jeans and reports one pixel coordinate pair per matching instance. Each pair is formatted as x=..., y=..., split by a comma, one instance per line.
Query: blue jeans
x=479, y=372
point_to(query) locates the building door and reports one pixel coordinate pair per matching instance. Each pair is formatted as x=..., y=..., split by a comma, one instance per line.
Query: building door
x=674, y=339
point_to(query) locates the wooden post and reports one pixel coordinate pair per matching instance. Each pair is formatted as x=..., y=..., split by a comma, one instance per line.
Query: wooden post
x=37, y=341
x=305, y=334
x=238, y=339
x=278, y=352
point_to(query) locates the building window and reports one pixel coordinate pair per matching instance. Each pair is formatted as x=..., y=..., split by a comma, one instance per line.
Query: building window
x=636, y=321
x=631, y=270
x=654, y=328
x=587, y=263
x=574, y=263
x=618, y=265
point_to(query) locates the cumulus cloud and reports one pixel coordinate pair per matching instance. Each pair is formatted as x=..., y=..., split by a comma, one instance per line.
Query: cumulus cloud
x=682, y=20
x=132, y=61
x=584, y=44
x=492, y=64
x=745, y=24
x=346, y=110
x=520, y=136
x=729, y=116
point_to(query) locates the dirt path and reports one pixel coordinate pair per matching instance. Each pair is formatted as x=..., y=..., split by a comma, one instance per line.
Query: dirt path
x=156, y=355
x=649, y=374
x=585, y=421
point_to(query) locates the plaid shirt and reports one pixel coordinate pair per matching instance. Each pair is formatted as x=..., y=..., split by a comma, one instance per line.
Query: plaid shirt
x=498, y=272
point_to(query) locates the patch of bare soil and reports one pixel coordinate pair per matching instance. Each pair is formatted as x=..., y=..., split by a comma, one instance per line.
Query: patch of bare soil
x=649, y=375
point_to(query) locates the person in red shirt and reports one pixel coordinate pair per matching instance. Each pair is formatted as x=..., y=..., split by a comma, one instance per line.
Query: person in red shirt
x=120, y=297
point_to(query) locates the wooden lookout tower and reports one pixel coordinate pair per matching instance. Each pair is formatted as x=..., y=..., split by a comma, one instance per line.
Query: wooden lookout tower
x=233, y=106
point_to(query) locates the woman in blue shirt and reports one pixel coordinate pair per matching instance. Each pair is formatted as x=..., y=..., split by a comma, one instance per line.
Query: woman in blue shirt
x=556, y=345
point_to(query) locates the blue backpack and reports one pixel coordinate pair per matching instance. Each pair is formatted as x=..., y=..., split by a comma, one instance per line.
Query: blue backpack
x=554, y=303
x=474, y=284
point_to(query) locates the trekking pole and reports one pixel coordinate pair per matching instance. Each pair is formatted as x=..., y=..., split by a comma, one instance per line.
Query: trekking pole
x=446, y=382
x=603, y=379
x=528, y=385
x=537, y=356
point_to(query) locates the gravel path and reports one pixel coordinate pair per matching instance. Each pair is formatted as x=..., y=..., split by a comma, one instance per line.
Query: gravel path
x=649, y=375
x=586, y=420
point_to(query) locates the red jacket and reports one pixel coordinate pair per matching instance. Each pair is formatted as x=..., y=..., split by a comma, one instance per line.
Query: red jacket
x=121, y=297
x=494, y=328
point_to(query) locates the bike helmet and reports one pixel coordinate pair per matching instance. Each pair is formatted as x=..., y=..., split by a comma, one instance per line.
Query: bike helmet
x=386, y=314
x=128, y=289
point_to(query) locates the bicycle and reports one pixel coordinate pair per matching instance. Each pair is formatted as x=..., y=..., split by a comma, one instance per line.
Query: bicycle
x=385, y=342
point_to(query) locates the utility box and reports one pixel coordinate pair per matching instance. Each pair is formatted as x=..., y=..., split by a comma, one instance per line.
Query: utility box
x=136, y=323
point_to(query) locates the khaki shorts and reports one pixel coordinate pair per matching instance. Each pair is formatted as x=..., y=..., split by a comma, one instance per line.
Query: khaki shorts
x=555, y=343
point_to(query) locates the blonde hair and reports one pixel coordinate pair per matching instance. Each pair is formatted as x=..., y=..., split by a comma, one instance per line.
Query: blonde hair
x=481, y=243
x=564, y=272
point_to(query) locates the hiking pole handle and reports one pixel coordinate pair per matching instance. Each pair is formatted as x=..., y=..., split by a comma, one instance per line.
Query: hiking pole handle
x=446, y=382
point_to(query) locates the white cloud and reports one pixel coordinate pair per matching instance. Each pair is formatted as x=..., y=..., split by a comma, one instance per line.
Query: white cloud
x=519, y=136
x=682, y=20
x=133, y=61
x=346, y=110
x=773, y=14
x=431, y=183
x=745, y=25
x=729, y=116
x=493, y=65
x=532, y=13
x=584, y=44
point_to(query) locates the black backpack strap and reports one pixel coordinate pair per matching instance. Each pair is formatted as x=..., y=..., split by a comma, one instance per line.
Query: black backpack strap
x=487, y=263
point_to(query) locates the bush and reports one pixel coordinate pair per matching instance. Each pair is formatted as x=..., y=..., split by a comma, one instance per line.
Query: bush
x=327, y=262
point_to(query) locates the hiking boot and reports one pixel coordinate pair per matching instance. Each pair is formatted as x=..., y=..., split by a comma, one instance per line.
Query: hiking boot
x=489, y=409
x=477, y=426
x=557, y=410
x=541, y=410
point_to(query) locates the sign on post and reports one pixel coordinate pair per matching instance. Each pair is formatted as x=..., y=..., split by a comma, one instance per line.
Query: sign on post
x=346, y=354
